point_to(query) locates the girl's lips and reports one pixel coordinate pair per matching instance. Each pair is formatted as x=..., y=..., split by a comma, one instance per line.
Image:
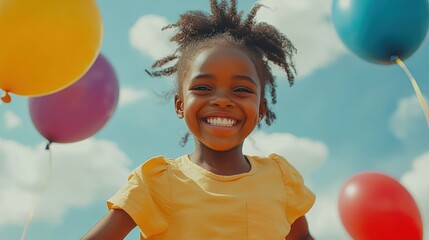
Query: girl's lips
x=220, y=114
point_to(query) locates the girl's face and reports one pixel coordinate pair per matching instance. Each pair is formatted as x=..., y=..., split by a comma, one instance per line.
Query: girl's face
x=221, y=97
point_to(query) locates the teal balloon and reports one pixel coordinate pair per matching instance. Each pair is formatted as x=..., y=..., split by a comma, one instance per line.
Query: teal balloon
x=381, y=30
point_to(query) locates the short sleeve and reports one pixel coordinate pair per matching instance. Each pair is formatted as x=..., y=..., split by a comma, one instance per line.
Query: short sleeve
x=299, y=198
x=146, y=197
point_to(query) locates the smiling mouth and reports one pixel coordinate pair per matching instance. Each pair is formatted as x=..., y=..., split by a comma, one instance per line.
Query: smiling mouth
x=221, y=122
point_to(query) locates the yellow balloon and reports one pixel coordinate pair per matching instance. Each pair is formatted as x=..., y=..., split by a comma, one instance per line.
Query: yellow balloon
x=47, y=45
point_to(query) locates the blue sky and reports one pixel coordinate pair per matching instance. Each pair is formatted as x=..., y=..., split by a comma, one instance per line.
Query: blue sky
x=343, y=116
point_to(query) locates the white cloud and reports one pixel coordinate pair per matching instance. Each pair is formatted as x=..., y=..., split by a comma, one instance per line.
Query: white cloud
x=305, y=154
x=147, y=37
x=417, y=183
x=323, y=219
x=82, y=173
x=12, y=120
x=408, y=119
x=307, y=24
x=130, y=95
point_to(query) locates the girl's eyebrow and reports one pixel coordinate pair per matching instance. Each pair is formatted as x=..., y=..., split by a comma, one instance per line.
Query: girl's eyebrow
x=210, y=77
x=244, y=77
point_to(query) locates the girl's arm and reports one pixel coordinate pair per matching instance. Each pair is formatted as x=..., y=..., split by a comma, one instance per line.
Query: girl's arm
x=299, y=230
x=116, y=224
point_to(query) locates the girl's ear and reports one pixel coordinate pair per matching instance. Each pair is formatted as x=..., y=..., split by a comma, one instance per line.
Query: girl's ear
x=262, y=109
x=178, y=105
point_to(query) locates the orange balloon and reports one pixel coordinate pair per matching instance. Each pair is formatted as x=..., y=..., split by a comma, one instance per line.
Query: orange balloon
x=46, y=45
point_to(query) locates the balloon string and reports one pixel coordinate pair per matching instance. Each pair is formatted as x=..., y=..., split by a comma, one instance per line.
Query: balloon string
x=416, y=89
x=39, y=195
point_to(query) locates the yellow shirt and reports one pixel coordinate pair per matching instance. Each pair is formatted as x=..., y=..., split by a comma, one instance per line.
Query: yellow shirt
x=177, y=199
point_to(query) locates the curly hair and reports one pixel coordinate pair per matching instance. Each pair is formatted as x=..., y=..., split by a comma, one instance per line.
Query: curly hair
x=197, y=30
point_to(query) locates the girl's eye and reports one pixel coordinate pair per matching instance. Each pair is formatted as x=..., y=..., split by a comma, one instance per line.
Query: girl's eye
x=243, y=89
x=201, y=88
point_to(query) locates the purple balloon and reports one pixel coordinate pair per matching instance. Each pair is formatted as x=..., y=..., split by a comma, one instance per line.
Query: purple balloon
x=80, y=110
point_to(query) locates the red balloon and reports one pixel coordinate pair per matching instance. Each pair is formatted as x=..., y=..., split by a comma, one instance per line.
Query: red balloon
x=374, y=206
x=80, y=110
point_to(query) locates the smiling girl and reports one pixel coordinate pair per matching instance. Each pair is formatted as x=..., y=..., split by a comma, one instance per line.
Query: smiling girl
x=216, y=191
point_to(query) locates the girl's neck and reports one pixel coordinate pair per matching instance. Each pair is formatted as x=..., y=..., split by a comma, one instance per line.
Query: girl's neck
x=229, y=162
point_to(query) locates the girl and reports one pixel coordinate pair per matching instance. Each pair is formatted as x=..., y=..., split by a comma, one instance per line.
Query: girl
x=217, y=192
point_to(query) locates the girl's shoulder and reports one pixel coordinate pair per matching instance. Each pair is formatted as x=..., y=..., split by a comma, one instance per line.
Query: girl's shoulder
x=156, y=166
x=156, y=162
x=272, y=159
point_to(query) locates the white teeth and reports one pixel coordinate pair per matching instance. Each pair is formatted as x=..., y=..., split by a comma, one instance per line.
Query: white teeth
x=223, y=122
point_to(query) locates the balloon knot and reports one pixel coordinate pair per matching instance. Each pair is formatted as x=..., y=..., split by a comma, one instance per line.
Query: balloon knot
x=394, y=57
x=48, y=145
x=6, y=98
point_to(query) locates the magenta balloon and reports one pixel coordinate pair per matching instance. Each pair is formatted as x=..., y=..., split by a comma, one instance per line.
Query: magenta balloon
x=80, y=110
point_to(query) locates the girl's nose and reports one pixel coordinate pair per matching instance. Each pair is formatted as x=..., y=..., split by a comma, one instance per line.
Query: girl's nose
x=222, y=101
